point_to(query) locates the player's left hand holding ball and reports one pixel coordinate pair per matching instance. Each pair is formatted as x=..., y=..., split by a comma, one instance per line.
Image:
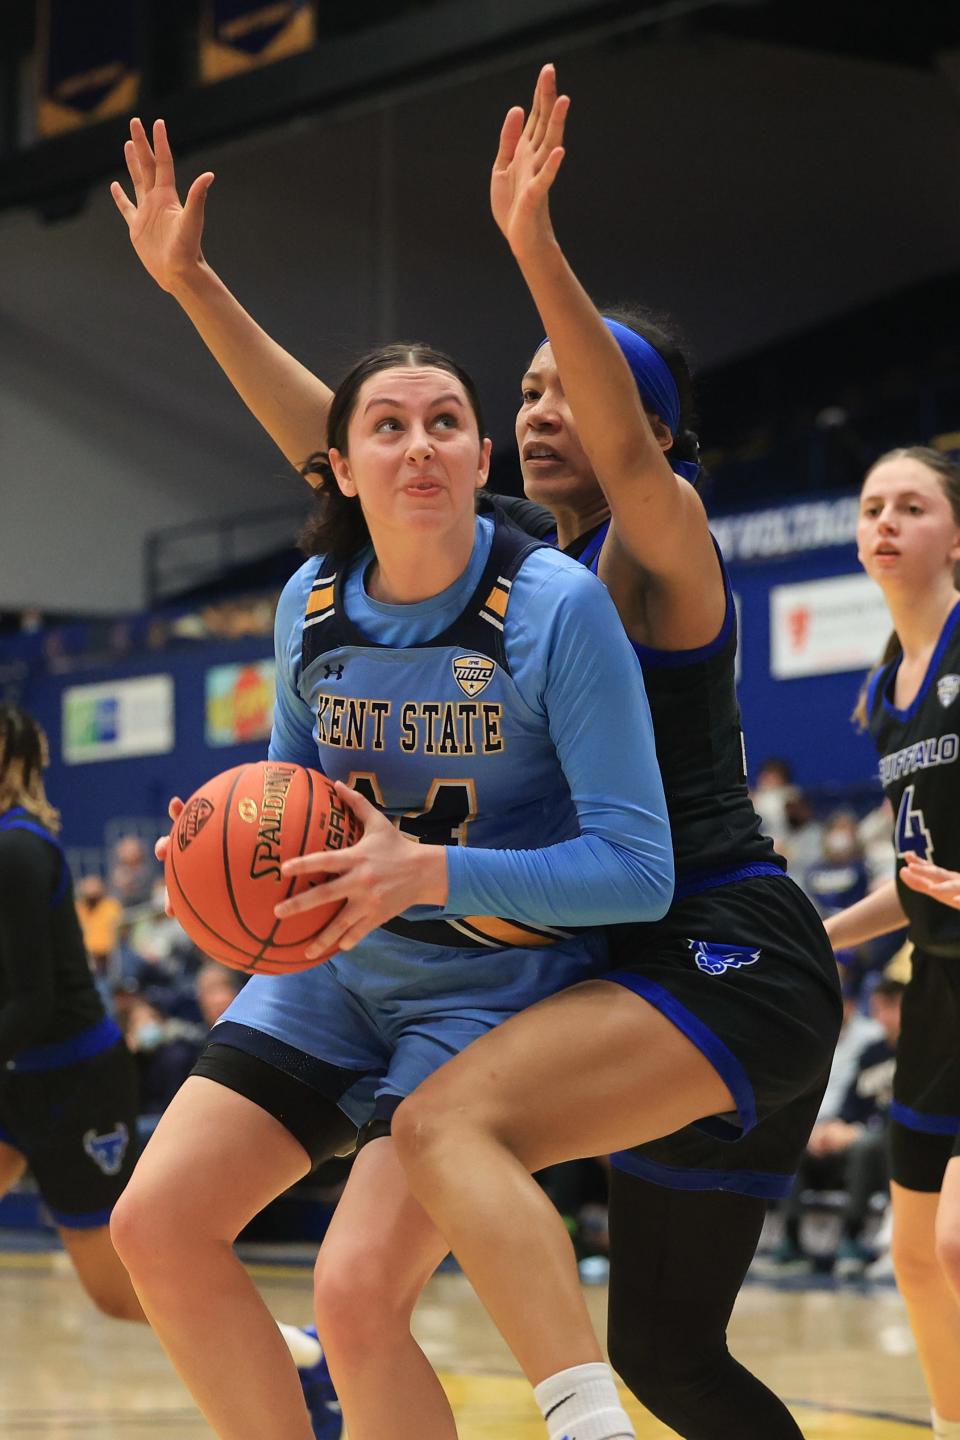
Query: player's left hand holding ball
x=377, y=878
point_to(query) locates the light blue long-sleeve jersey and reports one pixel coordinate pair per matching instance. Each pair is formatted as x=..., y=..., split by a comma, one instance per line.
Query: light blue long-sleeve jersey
x=543, y=770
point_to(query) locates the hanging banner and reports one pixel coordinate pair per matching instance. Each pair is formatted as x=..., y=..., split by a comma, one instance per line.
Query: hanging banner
x=118, y=718
x=822, y=627
x=241, y=35
x=87, y=62
x=239, y=702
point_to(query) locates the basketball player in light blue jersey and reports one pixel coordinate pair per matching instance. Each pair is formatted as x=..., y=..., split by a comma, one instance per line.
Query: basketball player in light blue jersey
x=475, y=684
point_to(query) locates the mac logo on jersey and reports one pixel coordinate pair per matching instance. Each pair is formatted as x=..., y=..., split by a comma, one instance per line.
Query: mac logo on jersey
x=473, y=673
x=948, y=688
x=713, y=958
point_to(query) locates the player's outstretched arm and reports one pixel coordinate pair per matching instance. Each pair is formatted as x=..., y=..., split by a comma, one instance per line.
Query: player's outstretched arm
x=877, y=914
x=658, y=518
x=290, y=403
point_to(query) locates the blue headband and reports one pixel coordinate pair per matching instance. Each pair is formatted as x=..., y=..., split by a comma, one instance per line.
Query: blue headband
x=658, y=389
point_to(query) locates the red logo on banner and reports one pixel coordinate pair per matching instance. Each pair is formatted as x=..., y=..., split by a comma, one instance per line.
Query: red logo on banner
x=798, y=623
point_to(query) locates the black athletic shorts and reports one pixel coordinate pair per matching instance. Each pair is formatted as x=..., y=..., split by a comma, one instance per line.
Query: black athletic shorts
x=925, y=1114
x=745, y=970
x=77, y=1127
x=305, y=1106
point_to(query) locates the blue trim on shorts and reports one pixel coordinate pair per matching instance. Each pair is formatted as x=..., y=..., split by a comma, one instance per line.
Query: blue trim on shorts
x=723, y=1060
x=83, y=1046
x=85, y=1220
x=925, y=1124
x=7, y=1139
x=764, y=1185
x=695, y=882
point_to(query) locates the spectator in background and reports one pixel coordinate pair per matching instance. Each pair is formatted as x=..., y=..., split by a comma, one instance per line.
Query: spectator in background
x=165, y=1048
x=167, y=954
x=848, y=1151
x=801, y=844
x=100, y=915
x=876, y=838
x=133, y=871
x=216, y=986
x=839, y=878
x=773, y=786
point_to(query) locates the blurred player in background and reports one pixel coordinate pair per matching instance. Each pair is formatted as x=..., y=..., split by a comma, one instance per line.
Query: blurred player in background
x=68, y=1085
x=908, y=539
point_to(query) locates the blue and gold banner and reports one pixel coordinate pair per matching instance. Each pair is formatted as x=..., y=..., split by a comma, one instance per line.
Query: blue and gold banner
x=88, y=62
x=241, y=35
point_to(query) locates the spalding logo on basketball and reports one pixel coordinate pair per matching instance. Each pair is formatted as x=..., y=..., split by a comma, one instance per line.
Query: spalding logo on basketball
x=193, y=819
x=223, y=871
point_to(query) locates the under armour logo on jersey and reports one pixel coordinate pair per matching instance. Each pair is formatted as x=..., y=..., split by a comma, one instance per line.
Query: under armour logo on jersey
x=713, y=958
x=948, y=688
x=107, y=1151
x=333, y=672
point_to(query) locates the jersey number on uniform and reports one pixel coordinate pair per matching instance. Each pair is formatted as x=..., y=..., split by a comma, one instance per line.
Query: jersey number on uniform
x=447, y=811
x=912, y=836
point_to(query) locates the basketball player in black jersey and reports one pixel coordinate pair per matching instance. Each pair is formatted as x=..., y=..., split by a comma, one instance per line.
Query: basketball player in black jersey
x=68, y=1091
x=741, y=958
x=909, y=542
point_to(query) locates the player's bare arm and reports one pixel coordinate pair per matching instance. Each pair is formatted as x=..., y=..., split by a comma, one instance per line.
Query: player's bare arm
x=877, y=914
x=659, y=524
x=290, y=403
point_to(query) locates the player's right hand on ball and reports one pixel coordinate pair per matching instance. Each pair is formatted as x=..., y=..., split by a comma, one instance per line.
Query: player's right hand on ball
x=165, y=234
x=174, y=810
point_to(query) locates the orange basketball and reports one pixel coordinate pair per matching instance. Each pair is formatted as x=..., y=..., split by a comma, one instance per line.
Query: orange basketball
x=223, y=864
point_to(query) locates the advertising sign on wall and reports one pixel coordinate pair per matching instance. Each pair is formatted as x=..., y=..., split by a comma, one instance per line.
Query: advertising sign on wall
x=239, y=702
x=824, y=626
x=117, y=719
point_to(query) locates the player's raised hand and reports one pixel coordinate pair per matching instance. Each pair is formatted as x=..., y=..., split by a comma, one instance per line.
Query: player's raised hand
x=530, y=155
x=933, y=880
x=165, y=233
x=381, y=875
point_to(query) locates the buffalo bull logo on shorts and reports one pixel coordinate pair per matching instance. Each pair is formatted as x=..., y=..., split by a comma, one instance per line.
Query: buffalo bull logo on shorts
x=473, y=673
x=948, y=688
x=107, y=1151
x=713, y=958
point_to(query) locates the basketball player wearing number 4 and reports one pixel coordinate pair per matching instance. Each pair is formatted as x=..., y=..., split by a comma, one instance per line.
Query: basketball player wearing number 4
x=909, y=542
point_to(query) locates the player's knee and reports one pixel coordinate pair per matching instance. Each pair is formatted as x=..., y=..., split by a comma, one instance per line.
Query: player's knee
x=432, y=1130
x=357, y=1312
x=145, y=1232
x=915, y=1263
x=421, y=1129
x=673, y=1378
x=948, y=1252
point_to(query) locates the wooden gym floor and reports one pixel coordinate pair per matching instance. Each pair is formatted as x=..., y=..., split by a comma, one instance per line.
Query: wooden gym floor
x=843, y=1358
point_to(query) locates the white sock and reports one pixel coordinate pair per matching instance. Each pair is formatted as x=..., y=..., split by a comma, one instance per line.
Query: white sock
x=582, y=1404
x=945, y=1429
x=304, y=1348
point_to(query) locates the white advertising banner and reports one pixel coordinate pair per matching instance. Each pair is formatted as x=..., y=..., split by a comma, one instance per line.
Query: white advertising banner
x=118, y=718
x=824, y=626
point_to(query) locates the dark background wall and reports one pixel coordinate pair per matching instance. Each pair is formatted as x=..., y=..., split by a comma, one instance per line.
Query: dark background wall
x=751, y=188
